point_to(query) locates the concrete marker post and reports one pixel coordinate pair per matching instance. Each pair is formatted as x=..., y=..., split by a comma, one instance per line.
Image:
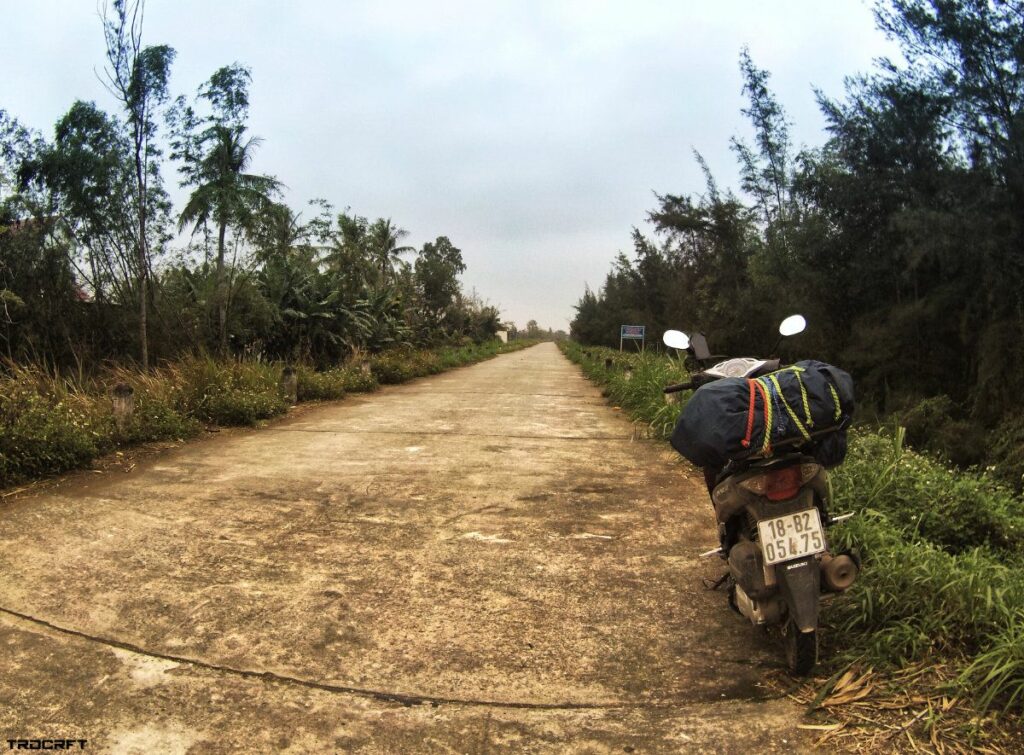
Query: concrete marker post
x=122, y=399
x=290, y=385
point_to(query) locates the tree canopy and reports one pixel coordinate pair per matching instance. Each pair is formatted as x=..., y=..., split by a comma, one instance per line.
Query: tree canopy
x=900, y=238
x=92, y=265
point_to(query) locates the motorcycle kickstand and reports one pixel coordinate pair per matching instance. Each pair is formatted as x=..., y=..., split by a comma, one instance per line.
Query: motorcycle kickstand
x=714, y=585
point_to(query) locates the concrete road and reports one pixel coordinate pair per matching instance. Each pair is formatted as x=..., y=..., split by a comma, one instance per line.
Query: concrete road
x=480, y=561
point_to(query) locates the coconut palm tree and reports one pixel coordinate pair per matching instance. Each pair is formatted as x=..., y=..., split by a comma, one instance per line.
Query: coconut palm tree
x=383, y=237
x=227, y=197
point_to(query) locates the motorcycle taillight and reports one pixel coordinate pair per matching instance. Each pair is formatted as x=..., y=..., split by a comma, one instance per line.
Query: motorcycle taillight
x=776, y=484
x=783, y=484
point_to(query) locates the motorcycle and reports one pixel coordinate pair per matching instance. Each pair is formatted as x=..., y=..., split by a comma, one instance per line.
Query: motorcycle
x=772, y=511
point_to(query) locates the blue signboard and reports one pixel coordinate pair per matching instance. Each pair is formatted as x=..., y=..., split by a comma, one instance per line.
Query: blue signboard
x=632, y=331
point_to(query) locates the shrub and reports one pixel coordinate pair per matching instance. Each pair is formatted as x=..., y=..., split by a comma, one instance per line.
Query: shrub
x=320, y=386
x=46, y=429
x=228, y=393
x=400, y=365
x=357, y=379
x=936, y=425
x=391, y=367
x=159, y=413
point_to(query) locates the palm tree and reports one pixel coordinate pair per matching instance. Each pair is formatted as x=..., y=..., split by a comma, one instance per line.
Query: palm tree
x=383, y=237
x=227, y=196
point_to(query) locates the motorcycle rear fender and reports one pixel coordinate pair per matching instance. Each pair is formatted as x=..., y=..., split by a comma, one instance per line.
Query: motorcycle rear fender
x=729, y=499
x=799, y=585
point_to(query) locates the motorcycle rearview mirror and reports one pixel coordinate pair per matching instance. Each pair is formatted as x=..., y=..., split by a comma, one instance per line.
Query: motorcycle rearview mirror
x=676, y=339
x=792, y=325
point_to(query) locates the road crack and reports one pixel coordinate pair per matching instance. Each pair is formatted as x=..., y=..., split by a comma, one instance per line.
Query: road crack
x=401, y=698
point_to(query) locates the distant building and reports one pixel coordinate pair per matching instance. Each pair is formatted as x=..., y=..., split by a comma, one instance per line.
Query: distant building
x=503, y=335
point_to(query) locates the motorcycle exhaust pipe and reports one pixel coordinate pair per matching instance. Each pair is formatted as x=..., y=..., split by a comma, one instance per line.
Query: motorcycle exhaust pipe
x=838, y=572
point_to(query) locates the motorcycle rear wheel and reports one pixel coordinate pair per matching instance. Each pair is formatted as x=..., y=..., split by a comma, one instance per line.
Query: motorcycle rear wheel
x=801, y=649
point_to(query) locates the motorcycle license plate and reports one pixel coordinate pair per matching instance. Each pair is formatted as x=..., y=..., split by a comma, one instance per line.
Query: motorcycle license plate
x=785, y=538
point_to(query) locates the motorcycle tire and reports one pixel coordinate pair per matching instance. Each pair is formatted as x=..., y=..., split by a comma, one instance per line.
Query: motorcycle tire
x=801, y=649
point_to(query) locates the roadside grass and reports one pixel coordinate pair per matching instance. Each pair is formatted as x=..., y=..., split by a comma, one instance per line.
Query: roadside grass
x=634, y=382
x=227, y=392
x=399, y=365
x=333, y=384
x=46, y=423
x=52, y=423
x=943, y=550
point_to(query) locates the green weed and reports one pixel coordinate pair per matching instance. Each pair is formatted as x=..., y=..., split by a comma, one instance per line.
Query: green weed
x=228, y=392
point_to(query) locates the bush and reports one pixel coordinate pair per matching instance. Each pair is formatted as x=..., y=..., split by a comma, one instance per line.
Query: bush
x=936, y=425
x=228, y=393
x=333, y=384
x=159, y=412
x=392, y=367
x=46, y=429
x=357, y=379
x=320, y=386
x=953, y=509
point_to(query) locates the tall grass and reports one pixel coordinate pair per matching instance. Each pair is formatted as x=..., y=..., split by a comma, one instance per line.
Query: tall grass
x=634, y=381
x=46, y=424
x=228, y=392
x=943, y=549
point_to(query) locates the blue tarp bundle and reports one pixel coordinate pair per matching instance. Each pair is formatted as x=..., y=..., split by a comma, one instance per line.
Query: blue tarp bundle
x=806, y=405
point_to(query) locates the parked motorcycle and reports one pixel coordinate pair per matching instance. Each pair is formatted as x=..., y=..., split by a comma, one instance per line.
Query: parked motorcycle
x=771, y=495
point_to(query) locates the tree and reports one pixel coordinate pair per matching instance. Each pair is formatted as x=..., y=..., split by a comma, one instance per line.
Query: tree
x=36, y=286
x=382, y=239
x=137, y=76
x=766, y=173
x=88, y=171
x=437, y=271
x=215, y=159
x=349, y=255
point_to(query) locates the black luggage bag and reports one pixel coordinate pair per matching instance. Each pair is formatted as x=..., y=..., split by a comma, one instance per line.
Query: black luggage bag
x=806, y=406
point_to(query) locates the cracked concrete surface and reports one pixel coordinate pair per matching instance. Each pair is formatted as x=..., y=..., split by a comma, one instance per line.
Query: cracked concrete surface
x=480, y=561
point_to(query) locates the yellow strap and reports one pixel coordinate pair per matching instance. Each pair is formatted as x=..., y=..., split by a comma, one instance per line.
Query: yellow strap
x=789, y=409
x=766, y=395
x=803, y=396
x=835, y=399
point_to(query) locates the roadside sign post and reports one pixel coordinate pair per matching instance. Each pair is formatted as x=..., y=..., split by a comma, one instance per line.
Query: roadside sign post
x=633, y=333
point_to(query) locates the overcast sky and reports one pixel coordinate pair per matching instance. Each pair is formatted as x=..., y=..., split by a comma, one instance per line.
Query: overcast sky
x=531, y=133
